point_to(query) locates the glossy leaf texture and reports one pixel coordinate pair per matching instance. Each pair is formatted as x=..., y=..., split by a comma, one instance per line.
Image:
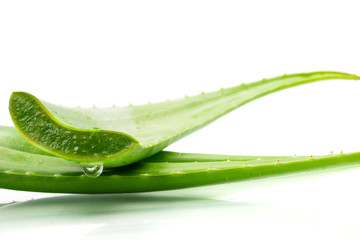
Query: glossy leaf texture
x=115, y=137
x=24, y=167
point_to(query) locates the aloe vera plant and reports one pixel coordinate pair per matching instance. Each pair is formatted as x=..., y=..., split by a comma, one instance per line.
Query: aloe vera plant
x=24, y=167
x=115, y=137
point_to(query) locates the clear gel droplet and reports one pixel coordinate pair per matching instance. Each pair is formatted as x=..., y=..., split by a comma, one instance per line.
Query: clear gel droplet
x=93, y=171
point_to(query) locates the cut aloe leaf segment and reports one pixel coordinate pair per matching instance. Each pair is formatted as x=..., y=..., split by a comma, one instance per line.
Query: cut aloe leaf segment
x=115, y=137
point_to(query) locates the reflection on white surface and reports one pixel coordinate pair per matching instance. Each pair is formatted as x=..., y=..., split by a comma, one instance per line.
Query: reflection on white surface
x=323, y=203
x=70, y=232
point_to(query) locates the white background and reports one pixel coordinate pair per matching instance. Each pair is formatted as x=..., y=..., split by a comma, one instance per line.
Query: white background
x=113, y=52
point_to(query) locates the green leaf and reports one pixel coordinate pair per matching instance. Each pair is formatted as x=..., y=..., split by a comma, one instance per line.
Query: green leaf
x=24, y=167
x=119, y=136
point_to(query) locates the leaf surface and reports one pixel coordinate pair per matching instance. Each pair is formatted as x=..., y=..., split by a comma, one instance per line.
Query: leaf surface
x=116, y=137
x=24, y=167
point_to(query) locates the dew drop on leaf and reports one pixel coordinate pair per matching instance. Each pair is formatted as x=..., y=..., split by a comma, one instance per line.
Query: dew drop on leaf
x=93, y=171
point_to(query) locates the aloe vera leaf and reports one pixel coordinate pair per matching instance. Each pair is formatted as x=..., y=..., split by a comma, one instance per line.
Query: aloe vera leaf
x=26, y=168
x=120, y=136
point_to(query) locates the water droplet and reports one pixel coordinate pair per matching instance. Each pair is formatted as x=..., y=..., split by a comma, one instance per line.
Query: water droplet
x=93, y=171
x=76, y=148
